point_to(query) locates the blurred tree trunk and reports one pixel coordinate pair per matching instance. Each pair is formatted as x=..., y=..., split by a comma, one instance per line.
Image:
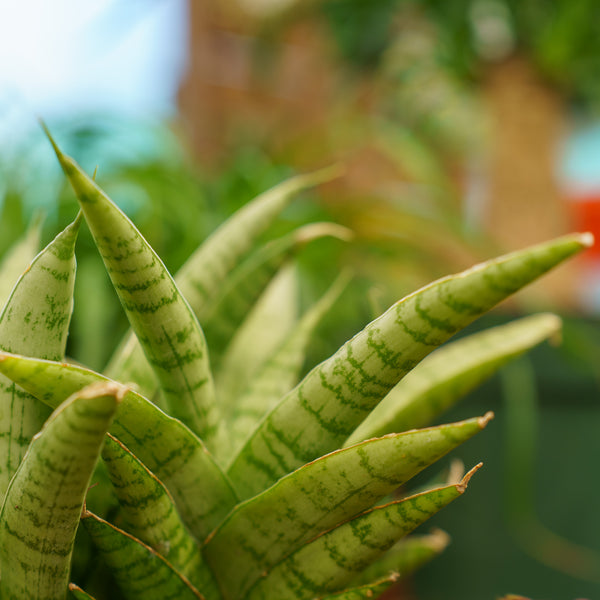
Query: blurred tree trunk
x=243, y=83
x=525, y=203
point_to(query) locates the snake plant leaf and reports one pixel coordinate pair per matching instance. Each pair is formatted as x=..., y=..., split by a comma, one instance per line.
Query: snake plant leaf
x=201, y=491
x=331, y=561
x=280, y=373
x=163, y=321
x=17, y=258
x=241, y=291
x=260, y=532
x=45, y=497
x=149, y=513
x=200, y=278
x=452, y=371
x=337, y=395
x=35, y=321
x=78, y=593
x=364, y=592
x=406, y=556
x=264, y=330
x=140, y=571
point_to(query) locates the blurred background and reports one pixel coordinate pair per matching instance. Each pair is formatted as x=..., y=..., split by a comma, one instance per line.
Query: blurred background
x=467, y=128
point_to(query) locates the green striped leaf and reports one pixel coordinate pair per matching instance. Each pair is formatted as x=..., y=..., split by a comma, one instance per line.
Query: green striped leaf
x=44, y=499
x=263, y=530
x=368, y=591
x=201, y=491
x=161, y=318
x=139, y=570
x=242, y=289
x=265, y=329
x=78, y=593
x=17, y=258
x=149, y=513
x=337, y=395
x=280, y=373
x=331, y=561
x=406, y=556
x=35, y=321
x=206, y=270
x=450, y=373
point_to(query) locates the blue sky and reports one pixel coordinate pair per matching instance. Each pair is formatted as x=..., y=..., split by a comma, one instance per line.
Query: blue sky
x=66, y=56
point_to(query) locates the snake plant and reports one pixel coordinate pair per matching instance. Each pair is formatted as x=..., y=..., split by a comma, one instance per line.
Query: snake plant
x=223, y=477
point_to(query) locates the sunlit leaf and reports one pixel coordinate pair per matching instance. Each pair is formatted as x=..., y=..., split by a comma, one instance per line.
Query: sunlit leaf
x=261, y=531
x=35, y=321
x=44, y=500
x=330, y=562
x=161, y=318
x=337, y=395
x=202, y=276
x=201, y=491
x=139, y=571
x=449, y=373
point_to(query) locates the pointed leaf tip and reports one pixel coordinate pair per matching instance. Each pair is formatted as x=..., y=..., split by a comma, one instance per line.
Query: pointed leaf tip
x=462, y=486
x=587, y=239
x=317, y=230
x=439, y=539
x=483, y=421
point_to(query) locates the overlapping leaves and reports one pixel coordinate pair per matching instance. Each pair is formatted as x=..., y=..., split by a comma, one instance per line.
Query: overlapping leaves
x=292, y=517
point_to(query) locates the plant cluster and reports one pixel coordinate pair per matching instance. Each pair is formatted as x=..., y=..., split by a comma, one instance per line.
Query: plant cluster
x=225, y=479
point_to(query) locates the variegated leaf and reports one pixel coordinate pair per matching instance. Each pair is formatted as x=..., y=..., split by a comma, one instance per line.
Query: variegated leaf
x=138, y=569
x=43, y=502
x=207, y=269
x=281, y=372
x=449, y=373
x=337, y=395
x=263, y=530
x=35, y=321
x=17, y=258
x=201, y=491
x=160, y=316
x=149, y=514
x=264, y=330
x=241, y=290
x=330, y=562
x=406, y=556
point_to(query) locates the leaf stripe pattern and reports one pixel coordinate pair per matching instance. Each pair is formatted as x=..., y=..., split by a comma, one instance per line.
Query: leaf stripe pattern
x=34, y=321
x=201, y=491
x=241, y=290
x=450, y=372
x=164, y=323
x=139, y=570
x=208, y=268
x=331, y=561
x=260, y=532
x=262, y=333
x=406, y=556
x=336, y=396
x=44, y=499
x=280, y=372
x=149, y=514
